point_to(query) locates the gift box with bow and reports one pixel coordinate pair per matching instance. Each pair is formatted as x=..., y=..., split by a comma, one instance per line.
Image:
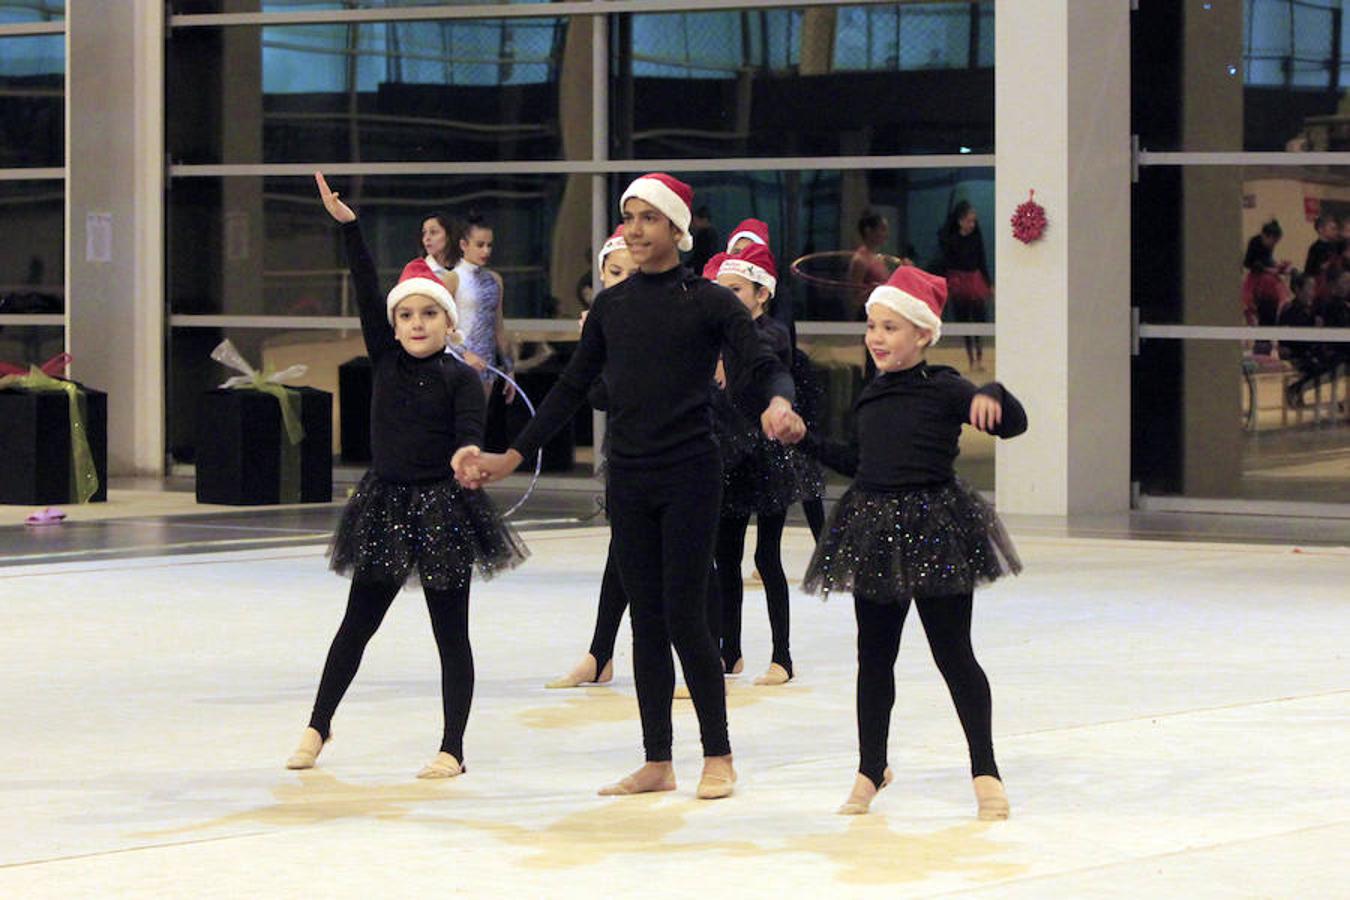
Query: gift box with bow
x=263, y=442
x=53, y=436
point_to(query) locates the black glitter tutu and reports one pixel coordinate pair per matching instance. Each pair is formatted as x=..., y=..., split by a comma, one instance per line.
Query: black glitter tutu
x=434, y=534
x=768, y=479
x=923, y=542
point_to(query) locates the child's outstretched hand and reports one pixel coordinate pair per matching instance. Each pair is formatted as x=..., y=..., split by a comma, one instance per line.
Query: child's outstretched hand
x=336, y=208
x=985, y=412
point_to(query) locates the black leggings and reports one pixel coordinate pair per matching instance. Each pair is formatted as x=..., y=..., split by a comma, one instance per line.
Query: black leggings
x=664, y=521
x=613, y=601
x=769, y=562
x=946, y=622
x=814, y=507
x=366, y=605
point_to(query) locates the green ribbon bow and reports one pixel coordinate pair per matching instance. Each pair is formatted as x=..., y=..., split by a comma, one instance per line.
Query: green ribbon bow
x=83, y=474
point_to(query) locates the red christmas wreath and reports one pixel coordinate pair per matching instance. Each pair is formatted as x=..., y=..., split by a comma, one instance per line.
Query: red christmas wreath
x=1028, y=220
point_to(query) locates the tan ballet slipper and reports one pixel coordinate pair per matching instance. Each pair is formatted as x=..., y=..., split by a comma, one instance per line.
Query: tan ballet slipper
x=307, y=753
x=442, y=765
x=643, y=781
x=716, y=783
x=584, y=673
x=859, y=801
x=737, y=667
x=774, y=675
x=992, y=799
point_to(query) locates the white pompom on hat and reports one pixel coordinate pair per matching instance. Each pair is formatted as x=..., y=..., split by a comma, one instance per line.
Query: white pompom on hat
x=755, y=264
x=915, y=294
x=614, y=242
x=672, y=198
x=418, y=278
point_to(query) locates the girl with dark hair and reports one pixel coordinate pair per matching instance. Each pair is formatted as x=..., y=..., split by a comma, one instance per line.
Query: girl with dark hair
x=478, y=291
x=967, y=271
x=1262, y=290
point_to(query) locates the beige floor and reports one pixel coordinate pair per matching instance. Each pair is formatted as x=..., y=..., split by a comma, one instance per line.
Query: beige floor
x=1170, y=720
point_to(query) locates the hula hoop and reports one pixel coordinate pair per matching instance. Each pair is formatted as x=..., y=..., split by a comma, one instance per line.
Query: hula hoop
x=892, y=262
x=538, y=455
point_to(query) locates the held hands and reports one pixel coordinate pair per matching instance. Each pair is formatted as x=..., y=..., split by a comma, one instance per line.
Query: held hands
x=336, y=208
x=720, y=376
x=780, y=422
x=985, y=413
x=474, y=468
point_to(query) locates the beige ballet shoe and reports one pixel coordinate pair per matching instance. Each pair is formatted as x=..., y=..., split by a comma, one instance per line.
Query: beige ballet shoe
x=716, y=785
x=442, y=765
x=681, y=692
x=993, y=800
x=638, y=783
x=859, y=802
x=774, y=675
x=305, y=755
x=737, y=667
x=584, y=673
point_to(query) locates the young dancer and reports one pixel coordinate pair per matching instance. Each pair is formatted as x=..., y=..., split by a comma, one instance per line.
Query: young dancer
x=478, y=292
x=597, y=666
x=907, y=531
x=967, y=274
x=760, y=477
x=810, y=393
x=656, y=337
x=409, y=519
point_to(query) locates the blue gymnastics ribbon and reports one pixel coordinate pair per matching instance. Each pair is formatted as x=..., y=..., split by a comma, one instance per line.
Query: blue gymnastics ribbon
x=538, y=455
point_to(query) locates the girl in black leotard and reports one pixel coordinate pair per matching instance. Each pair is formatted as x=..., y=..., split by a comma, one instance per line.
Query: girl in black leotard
x=409, y=520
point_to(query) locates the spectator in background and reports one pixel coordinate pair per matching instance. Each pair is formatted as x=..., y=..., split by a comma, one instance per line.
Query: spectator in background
x=1325, y=250
x=706, y=239
x=967, y=271
x=1262, y=289
x=1308, y=357
x=867, y=268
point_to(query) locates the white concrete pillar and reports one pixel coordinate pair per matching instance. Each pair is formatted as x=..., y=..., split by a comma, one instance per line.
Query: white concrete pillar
x=115, y=174
x=1062, y=107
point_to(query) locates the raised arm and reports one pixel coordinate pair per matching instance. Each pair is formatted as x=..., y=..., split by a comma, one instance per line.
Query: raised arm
x=375, y=328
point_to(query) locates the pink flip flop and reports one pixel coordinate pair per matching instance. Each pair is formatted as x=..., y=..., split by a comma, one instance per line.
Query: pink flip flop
x=49, y=516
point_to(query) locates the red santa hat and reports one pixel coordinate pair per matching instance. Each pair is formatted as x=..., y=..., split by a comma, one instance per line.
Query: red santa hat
x=714, y=265
x=754, y=229
x=915, y=294
x=755, y=264
x=614, y=242
x=417, y=278
x=672, y=198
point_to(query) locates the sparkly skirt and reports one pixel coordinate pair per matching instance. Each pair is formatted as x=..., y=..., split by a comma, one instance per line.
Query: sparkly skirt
x=768, y=479
x=922, y=542
x=435, y=534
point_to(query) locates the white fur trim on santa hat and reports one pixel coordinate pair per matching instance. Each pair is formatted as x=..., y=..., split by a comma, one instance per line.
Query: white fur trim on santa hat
x=614, y=243
x=907, y=305
x=427, y=287
x=667, y=202
x=745, y=234
x=734, y=265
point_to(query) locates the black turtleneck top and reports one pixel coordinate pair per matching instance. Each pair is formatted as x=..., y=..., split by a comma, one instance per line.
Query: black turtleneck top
x=908, y=425
x=655, y=338
x=421, y=410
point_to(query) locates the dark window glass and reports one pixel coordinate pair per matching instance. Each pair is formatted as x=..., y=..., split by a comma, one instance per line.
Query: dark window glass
x=265, y=246
x=16, y=11
x=1266, y=75
x=816, y=233
x=30, y=344
x=839, y=80
x=447, y=90
x=32, y=255
x=32, y=100
x=1253, y=419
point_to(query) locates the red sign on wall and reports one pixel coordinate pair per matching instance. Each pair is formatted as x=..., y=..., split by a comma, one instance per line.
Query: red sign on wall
x=1312, y=208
